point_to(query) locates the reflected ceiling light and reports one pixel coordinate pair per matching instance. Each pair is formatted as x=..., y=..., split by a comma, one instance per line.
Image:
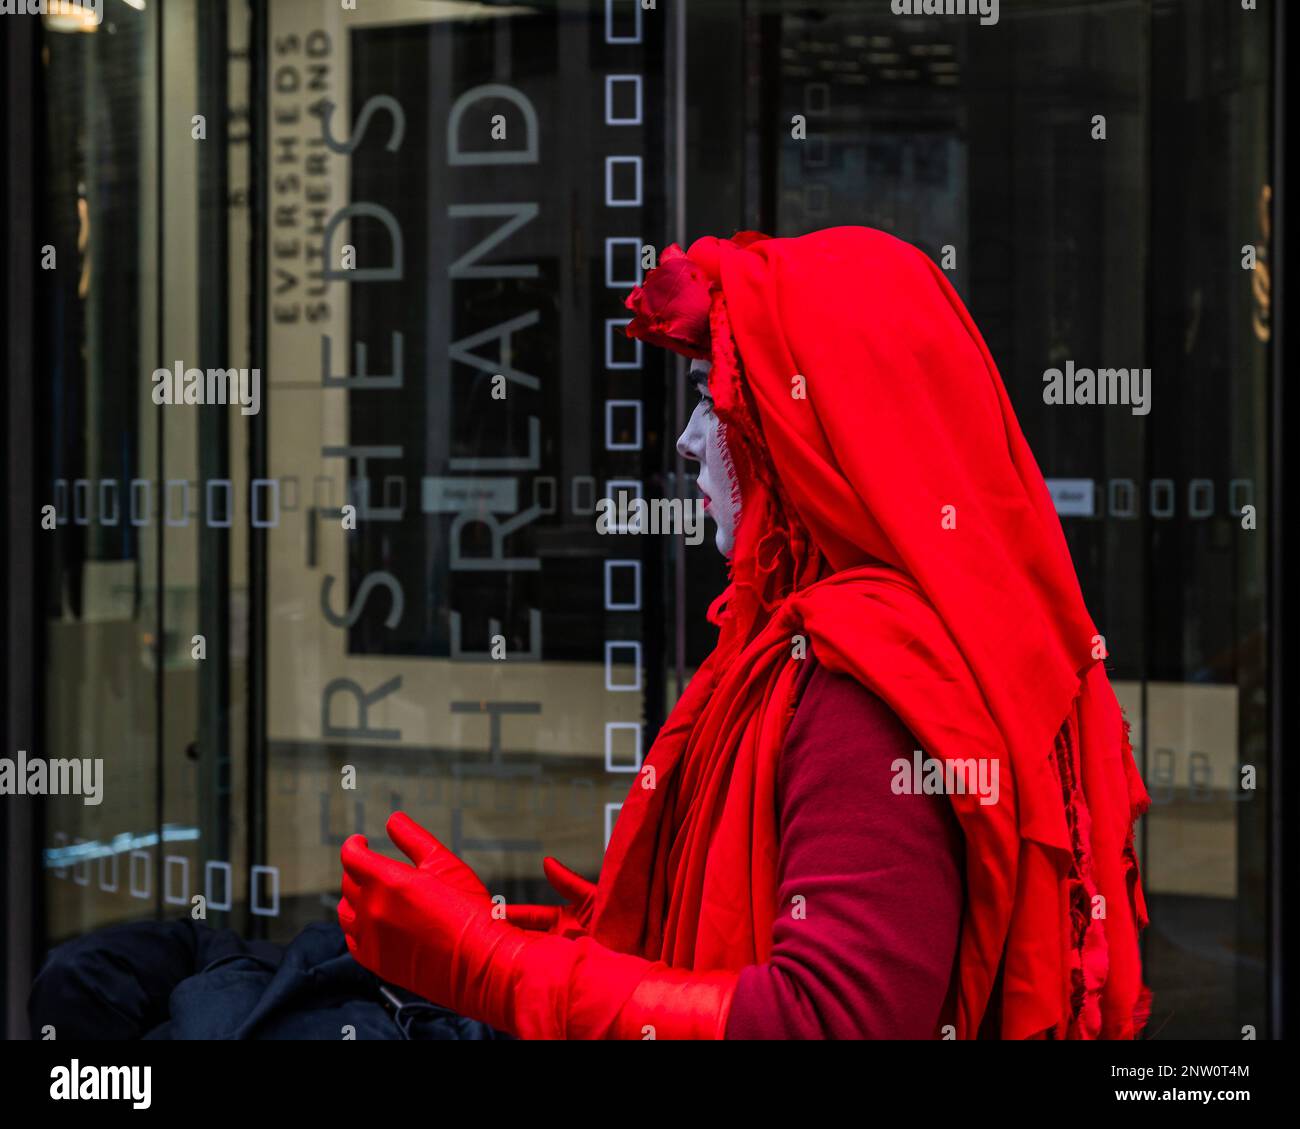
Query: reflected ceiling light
x=474, y=10
x=138, y=5
x=63, y=15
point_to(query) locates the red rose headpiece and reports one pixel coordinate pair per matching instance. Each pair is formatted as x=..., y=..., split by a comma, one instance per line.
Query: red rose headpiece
x=671, y=307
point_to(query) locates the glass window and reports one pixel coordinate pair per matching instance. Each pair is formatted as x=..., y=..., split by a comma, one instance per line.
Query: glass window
x=412, y=227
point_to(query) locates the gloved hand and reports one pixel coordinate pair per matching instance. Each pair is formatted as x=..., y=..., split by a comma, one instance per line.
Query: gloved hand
x=431, y=857
x=430, y=928
x=571, y=920
x=428, y=854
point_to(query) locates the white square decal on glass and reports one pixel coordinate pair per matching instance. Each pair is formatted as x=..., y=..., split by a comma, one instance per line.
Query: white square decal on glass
x=622, y=7
x=184, y=506
x=273, y=492
x=141, y=511
x=81, y=869
x=628, y=99
x=272, y=873
x=618, y=342
x=635, y=275
x=582, y=495
x=633, y=569
x=61, y=501
x=613, y=488
x=219, y=515
x=224, y=869
x=611, y=814
x=623, y=433
x=628, y=180
x=549, y=484
x=395, y=492
x=816, y=98
x=109, y=502
x=142, y=892
x=629, y=744
x=182, y=896
x=103, y=885
x=633, y=650
x=81, y=501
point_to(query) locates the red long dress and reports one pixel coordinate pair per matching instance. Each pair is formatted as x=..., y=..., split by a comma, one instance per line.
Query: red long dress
x=870, y=951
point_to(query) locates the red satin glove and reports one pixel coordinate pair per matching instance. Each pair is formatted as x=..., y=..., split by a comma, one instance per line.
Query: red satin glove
x=571, y=920
x=433, y=929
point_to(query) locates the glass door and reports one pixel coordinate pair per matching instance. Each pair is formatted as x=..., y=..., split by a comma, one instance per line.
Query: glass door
x=145, y=643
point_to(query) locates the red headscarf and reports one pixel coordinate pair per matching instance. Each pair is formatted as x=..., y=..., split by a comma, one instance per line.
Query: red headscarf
x=893, y=515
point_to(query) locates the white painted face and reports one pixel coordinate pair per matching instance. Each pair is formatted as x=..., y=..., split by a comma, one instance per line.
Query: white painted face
x=705, y=441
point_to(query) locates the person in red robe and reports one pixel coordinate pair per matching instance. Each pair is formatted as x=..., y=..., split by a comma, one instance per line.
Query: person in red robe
x=898, y=798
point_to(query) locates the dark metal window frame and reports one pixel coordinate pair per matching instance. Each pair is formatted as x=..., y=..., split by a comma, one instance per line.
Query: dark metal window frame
x=20, y=817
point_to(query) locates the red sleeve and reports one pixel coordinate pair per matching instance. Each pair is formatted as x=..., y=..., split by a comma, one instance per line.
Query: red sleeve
x=870, y=949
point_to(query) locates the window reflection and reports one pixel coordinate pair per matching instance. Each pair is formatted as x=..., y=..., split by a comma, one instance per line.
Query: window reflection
x=411, y=259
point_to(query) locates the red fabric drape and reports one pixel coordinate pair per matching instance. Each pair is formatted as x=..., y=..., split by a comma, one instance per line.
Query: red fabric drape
x=894, y=517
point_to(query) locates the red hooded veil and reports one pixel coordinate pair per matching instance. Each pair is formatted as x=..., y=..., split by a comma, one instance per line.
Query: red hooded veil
x=893, y=516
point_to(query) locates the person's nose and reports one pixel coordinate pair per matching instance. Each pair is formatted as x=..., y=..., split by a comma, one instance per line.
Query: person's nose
x=685, y=442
